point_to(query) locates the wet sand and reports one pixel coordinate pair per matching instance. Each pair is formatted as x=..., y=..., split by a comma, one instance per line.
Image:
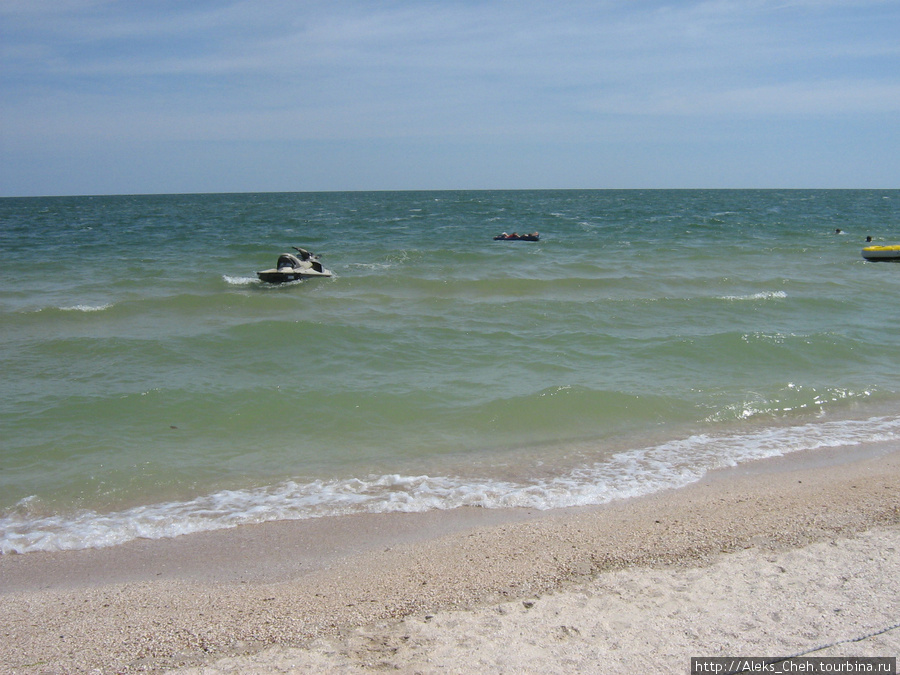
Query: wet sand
x=774, y=558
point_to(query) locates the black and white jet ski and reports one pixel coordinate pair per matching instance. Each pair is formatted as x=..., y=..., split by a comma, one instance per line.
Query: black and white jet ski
x=290, y=267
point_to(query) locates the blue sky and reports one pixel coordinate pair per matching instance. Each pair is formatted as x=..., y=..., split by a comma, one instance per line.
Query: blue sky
x=103, y=97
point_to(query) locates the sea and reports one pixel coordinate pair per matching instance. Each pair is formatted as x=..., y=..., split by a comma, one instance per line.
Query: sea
x=152, y=386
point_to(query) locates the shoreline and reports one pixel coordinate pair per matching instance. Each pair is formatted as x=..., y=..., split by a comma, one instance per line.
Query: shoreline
x=260, y=592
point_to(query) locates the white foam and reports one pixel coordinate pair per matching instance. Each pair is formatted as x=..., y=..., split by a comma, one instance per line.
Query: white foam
x=627, y=474
x=765, y=295
x=86, y=308
x=239, y=281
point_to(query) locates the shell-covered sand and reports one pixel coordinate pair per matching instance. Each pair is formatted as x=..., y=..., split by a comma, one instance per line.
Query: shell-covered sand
x=785, y=557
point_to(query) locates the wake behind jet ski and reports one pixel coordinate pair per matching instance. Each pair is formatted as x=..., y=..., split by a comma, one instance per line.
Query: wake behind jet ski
x=290, y=267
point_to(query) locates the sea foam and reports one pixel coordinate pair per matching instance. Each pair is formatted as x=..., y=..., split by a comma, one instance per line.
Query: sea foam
x=764, y=295
x=86, y=308
x=631, y=473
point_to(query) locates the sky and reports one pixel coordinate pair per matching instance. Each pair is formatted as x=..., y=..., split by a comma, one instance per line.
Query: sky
x=168, y=96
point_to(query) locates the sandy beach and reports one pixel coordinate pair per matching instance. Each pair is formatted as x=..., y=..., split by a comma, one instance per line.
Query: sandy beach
x=790, y=556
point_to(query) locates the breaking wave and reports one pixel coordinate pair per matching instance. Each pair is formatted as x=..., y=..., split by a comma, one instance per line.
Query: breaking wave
x=766, y=295
x=631, y=473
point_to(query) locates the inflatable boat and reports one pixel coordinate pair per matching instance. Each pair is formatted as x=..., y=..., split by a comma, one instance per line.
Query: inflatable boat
x=534, y=236
x=882, y=253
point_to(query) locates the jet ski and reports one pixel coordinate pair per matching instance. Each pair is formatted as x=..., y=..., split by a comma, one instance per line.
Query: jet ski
x=290, y=267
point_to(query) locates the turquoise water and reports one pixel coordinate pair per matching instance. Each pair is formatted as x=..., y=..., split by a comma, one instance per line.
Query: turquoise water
x=153, y=386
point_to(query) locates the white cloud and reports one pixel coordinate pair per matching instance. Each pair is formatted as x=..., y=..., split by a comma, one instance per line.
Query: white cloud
x=789, y=99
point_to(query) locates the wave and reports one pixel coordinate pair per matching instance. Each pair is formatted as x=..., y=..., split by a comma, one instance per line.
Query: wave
x=765, y=295
x=630, y=473
x=793, y=398
x=87, y=308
